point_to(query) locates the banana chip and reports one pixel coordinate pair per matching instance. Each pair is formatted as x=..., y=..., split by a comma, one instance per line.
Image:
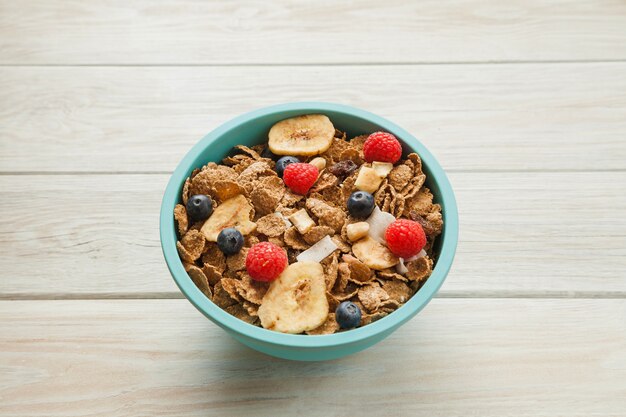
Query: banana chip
x=234, y=212
x=296, y=301
x=307, y=135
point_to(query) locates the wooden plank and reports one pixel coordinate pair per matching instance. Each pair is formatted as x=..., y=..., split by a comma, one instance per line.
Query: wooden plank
x=560, y=234
x=214, y=32
x=161, y=357
x=478, y=117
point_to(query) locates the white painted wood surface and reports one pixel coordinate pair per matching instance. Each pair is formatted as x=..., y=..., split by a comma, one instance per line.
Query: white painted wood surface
x=473, y=117
x=521, y=234
x=523, y=103
x=324, y=31
x=483, y=357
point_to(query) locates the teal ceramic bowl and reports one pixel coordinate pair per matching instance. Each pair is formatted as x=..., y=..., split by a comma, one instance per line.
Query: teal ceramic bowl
x=252, y=128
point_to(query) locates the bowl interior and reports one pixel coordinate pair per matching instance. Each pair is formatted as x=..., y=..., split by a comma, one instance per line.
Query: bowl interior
x=250, y=129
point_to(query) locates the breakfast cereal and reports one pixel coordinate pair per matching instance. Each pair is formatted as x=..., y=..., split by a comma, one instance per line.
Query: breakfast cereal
x=295, y=234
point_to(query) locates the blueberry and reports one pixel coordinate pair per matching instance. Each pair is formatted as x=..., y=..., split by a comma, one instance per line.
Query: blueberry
x=282, y=163
x=348, y=315
x=361, y=204
x=230, y=241
x=199, y=207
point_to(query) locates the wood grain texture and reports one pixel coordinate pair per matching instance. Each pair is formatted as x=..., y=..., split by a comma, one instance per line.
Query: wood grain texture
x=560, y=234
x=478, y=117
x=214, y=32
x=161, y=357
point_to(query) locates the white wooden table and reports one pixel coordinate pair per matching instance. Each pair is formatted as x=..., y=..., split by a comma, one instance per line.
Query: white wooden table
x=524, y=104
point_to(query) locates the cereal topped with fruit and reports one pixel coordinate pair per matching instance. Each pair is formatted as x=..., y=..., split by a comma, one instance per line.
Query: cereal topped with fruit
x=310, y=232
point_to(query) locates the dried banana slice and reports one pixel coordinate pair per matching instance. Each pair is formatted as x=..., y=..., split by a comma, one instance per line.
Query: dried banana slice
x=374, y=254
x=296, y=302
x=306, y=135
x=234, y=212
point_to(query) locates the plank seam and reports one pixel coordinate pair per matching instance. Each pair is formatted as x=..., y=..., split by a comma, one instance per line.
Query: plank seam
x=329, y=64
x=546, y=295
x=449, y=170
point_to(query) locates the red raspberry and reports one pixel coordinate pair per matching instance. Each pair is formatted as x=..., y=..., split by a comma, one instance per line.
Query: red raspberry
x=382, y=147
x=405, y=238
x=300, y=177
x=265, y=261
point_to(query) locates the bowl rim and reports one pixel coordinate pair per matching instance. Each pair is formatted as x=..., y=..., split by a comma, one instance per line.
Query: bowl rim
x=382, y=326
